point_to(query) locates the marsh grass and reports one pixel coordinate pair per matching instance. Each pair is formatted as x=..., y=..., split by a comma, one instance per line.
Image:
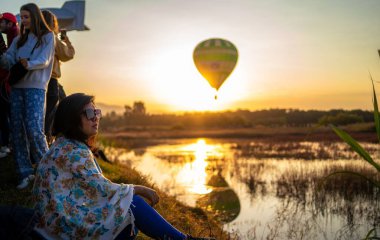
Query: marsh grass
x=352, y=202
x=299, y=150
x=304, y=206
x=366, y=156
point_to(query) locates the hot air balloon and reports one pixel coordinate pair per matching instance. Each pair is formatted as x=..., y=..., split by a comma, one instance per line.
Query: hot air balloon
x=215, y=59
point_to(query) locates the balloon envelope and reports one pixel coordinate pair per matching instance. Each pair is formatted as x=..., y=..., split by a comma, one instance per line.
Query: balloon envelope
x=215, y=59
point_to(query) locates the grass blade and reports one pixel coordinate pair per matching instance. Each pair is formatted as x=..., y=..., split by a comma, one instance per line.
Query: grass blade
x=376, y=111
x=355, y=146
x=377, y=184
x=369, y=234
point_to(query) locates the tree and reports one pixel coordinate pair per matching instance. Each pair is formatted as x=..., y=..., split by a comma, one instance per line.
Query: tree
x=139, y=108
x=127, y=110
x=340, y=119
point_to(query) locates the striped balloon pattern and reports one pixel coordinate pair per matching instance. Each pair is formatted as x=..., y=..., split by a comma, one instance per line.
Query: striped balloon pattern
x=215, y=59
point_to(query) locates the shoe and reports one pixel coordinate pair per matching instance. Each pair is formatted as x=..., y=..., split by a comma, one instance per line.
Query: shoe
x=25, y=182
x=5, y=149
x=3, y=154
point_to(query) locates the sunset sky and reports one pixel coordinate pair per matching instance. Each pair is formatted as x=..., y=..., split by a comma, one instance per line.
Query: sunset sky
x=302, y=54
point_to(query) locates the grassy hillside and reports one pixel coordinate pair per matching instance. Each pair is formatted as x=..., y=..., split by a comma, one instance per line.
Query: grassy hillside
x=189, y=220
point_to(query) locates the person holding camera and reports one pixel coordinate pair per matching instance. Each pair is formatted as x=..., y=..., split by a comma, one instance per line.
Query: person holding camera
x=64, y=51
x=33, y=49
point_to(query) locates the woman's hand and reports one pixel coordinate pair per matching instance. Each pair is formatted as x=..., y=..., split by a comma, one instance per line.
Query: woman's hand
x=66, y=40
x=147, y=193
x=24, y=62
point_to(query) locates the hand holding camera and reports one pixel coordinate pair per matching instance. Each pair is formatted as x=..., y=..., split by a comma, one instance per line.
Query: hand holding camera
x=63, y=34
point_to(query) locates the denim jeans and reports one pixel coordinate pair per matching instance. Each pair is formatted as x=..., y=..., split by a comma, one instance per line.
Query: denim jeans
x=27, y=127
x=18, y=222
x=150, y=222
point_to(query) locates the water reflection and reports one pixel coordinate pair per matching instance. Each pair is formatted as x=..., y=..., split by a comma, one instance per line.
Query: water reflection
x=266, y=190
x=193, y=174
x=222, y=203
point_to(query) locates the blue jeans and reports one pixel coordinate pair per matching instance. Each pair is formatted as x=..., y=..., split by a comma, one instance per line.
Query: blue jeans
x=150, y=222
x=18, y=223
x=27, y=127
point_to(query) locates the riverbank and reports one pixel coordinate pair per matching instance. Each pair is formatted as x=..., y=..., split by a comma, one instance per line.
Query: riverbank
x=148, y=135
x=187, y=219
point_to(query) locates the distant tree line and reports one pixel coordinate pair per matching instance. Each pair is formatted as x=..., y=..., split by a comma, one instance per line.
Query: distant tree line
x=137, y=115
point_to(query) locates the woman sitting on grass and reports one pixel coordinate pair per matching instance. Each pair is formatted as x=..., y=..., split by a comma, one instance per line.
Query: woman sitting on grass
x=75, y=201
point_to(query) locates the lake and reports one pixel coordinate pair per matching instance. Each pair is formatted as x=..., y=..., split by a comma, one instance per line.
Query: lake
x=266, y=189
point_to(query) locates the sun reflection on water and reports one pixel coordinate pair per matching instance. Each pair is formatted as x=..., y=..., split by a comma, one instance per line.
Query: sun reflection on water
x=274, y=183
x=194, y=174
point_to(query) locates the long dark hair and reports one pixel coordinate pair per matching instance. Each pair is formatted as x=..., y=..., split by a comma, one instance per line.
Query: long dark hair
x=38, y=25
x=67, y=119
x=51, y=20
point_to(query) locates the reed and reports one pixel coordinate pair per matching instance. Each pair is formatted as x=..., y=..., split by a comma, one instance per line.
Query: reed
x=373, y=233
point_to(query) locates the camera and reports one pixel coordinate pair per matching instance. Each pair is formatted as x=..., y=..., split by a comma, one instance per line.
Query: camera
x=63, y=34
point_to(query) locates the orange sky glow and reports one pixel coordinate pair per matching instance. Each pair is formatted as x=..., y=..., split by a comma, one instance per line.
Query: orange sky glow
x=292, y=54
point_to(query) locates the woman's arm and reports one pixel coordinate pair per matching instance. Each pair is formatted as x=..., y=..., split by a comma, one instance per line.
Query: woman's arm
x=46, y=54
x=64, y=50
x=85, y=167
x=8, y=59
x=147, y=193
x=3, y=47
x=84, y=170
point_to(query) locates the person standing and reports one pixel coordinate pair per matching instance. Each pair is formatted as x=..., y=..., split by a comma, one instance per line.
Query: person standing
x=8, y=26
x=64, y=51
x=34, y=49
x=4, y=124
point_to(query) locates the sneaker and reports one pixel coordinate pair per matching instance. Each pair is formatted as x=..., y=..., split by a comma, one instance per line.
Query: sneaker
x=5, y=149
x=25, y=182
x=3, y=154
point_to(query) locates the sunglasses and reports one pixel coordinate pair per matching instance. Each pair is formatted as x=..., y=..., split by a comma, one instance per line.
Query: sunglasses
x=92, y=113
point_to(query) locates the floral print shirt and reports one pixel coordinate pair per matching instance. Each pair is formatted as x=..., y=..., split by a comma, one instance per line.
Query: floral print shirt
x=73, y=200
